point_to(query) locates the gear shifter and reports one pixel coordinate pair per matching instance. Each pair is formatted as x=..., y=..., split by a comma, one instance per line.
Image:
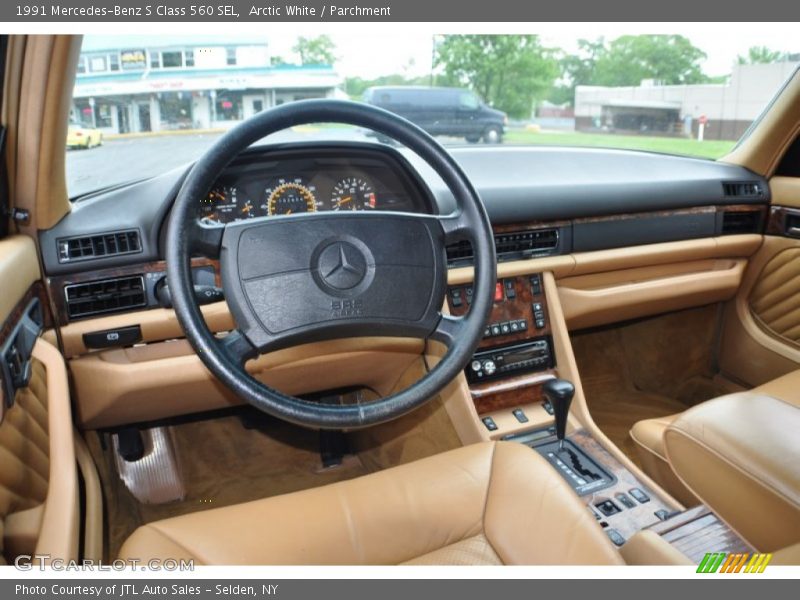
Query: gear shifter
x=559, y=392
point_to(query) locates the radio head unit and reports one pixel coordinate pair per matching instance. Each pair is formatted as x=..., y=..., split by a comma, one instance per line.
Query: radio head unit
x=511, y=360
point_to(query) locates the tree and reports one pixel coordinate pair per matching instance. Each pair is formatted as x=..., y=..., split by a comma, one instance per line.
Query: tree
x=315, y=51
x=577, y=69
x=510, y=72
x=630, y=59
x=758, y=55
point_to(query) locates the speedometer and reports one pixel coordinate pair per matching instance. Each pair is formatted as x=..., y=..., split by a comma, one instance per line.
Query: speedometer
x=353, y=193
x=289, y=197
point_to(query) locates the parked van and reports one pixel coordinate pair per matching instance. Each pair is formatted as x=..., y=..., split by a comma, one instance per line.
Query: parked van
x=455, y=112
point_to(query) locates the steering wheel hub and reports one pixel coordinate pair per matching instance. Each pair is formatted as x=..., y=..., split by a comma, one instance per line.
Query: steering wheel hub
x=341, y=265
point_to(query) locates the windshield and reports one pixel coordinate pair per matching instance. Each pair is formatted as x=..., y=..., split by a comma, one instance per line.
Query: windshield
x=145, y=104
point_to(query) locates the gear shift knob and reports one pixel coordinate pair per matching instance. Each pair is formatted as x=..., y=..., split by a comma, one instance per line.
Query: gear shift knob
x=559, y=392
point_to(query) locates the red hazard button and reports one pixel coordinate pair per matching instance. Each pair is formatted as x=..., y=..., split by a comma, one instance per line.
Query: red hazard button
x=498, y=292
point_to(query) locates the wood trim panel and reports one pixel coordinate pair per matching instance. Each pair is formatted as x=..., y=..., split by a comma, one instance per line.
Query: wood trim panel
x=520, y=307
x=37, y=290
x=646, y=215
x=510, y=393
x=629, y=520
x=698, y=531
x=57, y=283
x=529, y=226
x=720, y=208
x=776, y=222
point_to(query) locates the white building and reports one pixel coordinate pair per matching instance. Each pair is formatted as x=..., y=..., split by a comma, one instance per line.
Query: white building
x=676, y=109
x=192, y=84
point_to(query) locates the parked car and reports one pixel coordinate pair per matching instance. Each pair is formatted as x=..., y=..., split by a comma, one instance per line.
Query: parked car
x=456, y=112
x=80, y=136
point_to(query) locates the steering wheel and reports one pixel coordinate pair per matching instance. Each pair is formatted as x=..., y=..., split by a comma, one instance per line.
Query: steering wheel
x=295, y=279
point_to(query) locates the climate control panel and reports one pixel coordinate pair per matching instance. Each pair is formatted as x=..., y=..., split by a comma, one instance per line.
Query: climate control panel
x=519, y=312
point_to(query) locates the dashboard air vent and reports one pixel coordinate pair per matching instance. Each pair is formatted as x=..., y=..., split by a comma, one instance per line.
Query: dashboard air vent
x=99, y=246
x=734, y=221
x=104, y=296
x=509, y=246
x=743, y=189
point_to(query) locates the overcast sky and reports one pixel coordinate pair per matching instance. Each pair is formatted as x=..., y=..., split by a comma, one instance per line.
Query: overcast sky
x=372, y=50
x=371, y=55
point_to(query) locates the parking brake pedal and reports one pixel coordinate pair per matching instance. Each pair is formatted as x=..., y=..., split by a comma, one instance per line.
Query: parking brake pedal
x=148, y=466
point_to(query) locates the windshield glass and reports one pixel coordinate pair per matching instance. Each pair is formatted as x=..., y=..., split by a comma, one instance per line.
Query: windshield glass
x=145, y=104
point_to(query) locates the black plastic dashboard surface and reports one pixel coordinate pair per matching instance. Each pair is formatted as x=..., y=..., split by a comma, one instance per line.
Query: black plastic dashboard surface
x=518, y=185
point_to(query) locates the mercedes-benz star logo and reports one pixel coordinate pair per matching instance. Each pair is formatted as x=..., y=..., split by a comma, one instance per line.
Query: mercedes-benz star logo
x=342, y=266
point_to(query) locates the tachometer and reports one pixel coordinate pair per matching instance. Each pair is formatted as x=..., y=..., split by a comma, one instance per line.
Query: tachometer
x=290, y=197
x=220, y=204
x=353, y=193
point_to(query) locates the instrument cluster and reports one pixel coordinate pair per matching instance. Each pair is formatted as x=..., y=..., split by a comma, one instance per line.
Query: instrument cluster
x=305, y=186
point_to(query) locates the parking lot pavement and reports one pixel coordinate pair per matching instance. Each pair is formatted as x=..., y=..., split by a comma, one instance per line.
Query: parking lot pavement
x=132, y=158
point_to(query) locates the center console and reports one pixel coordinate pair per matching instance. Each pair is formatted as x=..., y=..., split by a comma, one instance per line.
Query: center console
x=514, y=385
x=516, y=354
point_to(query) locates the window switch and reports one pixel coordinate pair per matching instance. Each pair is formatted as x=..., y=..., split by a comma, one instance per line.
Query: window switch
x=639, y=495
x=615, y=537
x=625, y=500
x=489, y=423
x=520, y=415
x=536, y=285
x=511, y=291
x=662, y=514
x=455, y=298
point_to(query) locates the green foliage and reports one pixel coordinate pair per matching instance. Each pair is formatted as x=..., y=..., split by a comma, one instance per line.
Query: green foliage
x=668, y=59
x=315, y=51
x=759, y=55
x=627, y=61
x=510, y=72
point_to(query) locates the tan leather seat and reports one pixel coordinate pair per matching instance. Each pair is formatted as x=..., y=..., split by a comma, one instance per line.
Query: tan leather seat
x=486, y=504
x=739, y=455
x=649, y=438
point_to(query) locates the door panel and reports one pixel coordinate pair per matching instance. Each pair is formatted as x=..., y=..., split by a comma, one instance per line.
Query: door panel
x=775, y=298
x=38, y=477
x=761, y=329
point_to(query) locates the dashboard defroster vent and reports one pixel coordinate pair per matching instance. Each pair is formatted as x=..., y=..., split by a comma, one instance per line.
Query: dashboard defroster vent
x=514, y=245
x=104, y=296
x=742, y=189
x=99, y=246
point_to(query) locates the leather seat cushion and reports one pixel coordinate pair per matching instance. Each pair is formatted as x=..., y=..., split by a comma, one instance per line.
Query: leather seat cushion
x=490, y=503
x=649, y=438
x=739, y=454
x=649, y=433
